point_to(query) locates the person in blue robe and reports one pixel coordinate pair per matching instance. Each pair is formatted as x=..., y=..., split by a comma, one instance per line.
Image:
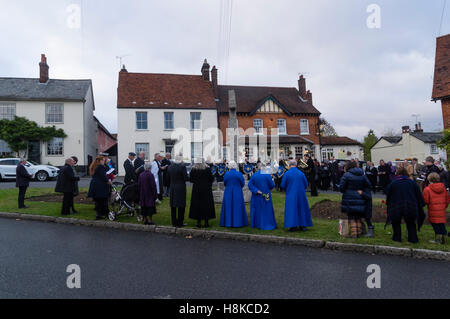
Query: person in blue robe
x=296, y=213
x=234, y=214
x=262, y=215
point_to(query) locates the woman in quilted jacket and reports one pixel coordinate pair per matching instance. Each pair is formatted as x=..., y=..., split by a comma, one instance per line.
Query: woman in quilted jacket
x=437, y=199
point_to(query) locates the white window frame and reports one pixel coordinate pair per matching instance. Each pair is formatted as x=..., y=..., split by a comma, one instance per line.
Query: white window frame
x=7, y=111
x=51, y=113
x=298, y=150
x=139, y=147
x=52, y=152
x=434, y=149
x=258, y=130
x=196, y=124
x=141, y=121
x=302, y=132
x=284, y=132
x=166, y=121
x=327, y=153
x=196, y=150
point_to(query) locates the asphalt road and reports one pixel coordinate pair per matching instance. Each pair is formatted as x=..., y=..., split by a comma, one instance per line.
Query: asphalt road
x=121, y=264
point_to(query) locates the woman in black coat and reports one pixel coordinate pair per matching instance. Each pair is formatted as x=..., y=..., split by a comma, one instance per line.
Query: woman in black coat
x=384, y=172
x=67, y=184
x=356, y=198
x=202, y=200
x=404, y=200
x=177, y=191
x=99, y=187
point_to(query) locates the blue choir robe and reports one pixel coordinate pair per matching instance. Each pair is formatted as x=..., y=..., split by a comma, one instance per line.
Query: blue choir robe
x=296, y=211
x=262, y=215
x=233, y=212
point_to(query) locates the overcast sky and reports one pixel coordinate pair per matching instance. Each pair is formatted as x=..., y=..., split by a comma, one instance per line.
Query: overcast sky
x=361, y=78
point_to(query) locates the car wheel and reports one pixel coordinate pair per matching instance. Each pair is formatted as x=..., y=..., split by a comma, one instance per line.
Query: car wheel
x=41, y=176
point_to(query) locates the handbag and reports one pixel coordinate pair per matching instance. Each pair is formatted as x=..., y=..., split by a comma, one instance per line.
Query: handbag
x=344, y=229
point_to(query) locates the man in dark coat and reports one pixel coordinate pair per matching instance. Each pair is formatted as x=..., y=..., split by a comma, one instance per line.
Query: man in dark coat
x=312, y=173
x=66, y=184
x=165, y=163
x=372, y=174
x=130, y=173
x=404, y=200
x=430, y=168
x=22, y=181
x=178, y=178
x=334, y=173
x=384, y=172
x=139, y=163
x=202, y=200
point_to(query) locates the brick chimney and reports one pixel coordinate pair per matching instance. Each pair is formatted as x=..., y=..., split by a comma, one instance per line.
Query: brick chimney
x=302, y=87
x=205, y=70
x=309, y=96
x=43, y=69
x=215, y=84
x=418, y=128
x=123, y=69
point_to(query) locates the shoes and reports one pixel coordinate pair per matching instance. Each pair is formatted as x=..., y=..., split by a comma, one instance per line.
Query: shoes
x=293, y=229
x=437, y=239
x=74, y=211
x=199, y=225
x=371, y=232
x=98, y=217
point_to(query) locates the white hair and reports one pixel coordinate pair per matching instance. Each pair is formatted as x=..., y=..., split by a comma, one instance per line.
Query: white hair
x=232, y=165
x=148, y=166
x=179, y=159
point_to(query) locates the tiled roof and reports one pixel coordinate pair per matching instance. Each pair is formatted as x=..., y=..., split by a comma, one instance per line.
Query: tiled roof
x=248, y=98
x=427, y=137
x=441, y=86
x=392, y=139
x=150, y=90
x=22, y=89
x=338, y=140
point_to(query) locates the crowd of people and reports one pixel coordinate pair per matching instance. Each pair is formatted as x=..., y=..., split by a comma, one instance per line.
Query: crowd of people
x=409, y=187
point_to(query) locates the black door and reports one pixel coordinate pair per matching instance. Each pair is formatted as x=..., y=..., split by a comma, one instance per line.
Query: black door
x=34, y=151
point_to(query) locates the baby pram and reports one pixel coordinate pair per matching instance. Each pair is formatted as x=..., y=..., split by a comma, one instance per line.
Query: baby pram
x=125, y=199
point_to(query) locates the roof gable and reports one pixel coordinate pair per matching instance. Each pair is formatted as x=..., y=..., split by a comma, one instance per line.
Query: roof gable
x=249, y=98
x=270, y=105
x=150, y=90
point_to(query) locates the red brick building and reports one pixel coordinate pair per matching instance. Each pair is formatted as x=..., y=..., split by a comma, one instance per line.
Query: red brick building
x=441, y=88
x=290, y=111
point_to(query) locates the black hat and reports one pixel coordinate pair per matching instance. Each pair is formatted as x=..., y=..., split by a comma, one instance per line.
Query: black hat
x=132, y=154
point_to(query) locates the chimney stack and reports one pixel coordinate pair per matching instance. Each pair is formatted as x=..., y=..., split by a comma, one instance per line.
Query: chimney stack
x=43, y=69
x=418, y=128
x=302, y=87
x=205, y=71
x=215, y=84
x=309, y=96
x=405, y=129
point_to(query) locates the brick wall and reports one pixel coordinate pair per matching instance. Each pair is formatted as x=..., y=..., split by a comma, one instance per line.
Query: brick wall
x=446, y=112
x=270, y=121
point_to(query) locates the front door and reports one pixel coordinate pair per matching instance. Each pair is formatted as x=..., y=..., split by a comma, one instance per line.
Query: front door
x=34, y=151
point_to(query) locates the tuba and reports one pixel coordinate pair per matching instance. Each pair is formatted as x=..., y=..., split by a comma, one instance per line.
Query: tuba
x=302, y=164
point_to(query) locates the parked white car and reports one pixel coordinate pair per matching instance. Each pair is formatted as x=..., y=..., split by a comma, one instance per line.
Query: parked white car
x=40, y=172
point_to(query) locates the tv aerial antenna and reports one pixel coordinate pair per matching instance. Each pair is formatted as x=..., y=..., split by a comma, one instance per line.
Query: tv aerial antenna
x=120, y=58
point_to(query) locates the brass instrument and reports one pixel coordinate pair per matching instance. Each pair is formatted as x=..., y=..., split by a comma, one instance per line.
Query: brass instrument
x=302, y=164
